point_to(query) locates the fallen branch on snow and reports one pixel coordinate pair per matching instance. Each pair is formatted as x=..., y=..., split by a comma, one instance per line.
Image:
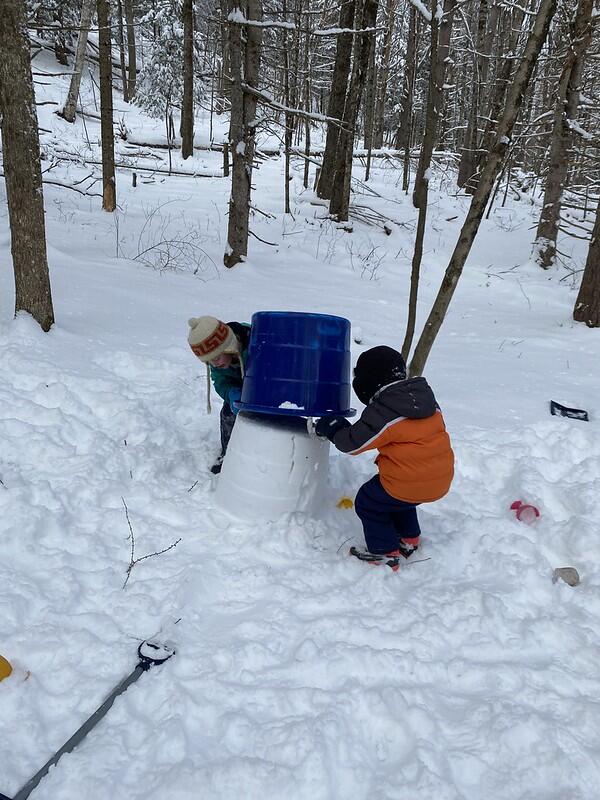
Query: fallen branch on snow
x=133, y=560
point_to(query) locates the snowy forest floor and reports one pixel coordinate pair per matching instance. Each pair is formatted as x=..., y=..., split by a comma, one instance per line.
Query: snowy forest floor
x=299, y=673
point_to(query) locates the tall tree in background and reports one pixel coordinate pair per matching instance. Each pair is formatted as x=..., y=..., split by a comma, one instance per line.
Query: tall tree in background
x=187, y=105
x=131, y=49
x=22, y=171
x=481, y=59
x=121, y=44
x=565, y=116
x=441, y=30
x=363, y=42
x=403, y=134
x=109, y=189
x=245, y=41
x=493, y=165
x=224, y=63
x=587, y=305
x=85, y=20
x=337, y=98
x=510, y=30
x=384, y=74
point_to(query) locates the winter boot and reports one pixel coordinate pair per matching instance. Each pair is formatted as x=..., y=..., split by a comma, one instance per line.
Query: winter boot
x=406, y=547
x=391, y=560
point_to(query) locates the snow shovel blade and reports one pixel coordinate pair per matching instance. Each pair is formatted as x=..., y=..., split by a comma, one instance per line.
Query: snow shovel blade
x=563, y=411
x=150, y=653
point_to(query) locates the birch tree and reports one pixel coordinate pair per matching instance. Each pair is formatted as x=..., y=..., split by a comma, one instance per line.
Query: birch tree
x=87, y=12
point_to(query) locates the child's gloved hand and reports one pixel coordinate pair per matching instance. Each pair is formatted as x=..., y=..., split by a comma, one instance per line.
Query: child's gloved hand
x=235, y=395
x=327, y=427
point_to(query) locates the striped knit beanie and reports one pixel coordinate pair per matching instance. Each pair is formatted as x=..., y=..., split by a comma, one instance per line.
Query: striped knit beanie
x=209, y=338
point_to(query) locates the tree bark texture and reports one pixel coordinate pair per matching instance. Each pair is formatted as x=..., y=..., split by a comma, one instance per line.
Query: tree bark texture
x=587, y=305
x=131, y=49
x=187, y=108
x=85, y=20
x=339, y=203
x=565, y=114
x=109, y=190
x=245, y=42
x=337, y=98
x=121, y=44
x=494, y=162
x=22, y=170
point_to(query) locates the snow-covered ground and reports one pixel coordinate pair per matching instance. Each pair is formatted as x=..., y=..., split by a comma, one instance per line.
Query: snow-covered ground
x=299, y=673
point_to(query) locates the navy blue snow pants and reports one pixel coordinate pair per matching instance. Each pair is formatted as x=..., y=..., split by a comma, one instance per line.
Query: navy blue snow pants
x=385, y=520
x=227, y=419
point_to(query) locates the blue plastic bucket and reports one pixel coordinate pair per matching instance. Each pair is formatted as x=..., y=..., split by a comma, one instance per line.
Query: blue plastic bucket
x=298, y=365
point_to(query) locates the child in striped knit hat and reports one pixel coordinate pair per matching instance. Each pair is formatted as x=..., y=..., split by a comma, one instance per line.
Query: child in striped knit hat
x=223, y=347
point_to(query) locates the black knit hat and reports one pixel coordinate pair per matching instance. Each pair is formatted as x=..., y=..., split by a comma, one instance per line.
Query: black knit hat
x=376, y=368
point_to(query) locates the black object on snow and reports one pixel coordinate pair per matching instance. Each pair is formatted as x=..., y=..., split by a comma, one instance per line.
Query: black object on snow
x=562, y=411
x=150, y=653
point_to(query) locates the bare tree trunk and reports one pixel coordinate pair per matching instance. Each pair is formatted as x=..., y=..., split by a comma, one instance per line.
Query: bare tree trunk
x=308, y=106
x=187, y=107
x=512, y=29
x=403, y=135
x=223, y=85
x=289, y=118
x=468, y=160
x=22, y=171
x=565, y=115
x=337, y=98
x=109, y=190
x=492, y=167
x=85, y=20
x=340, y=196
x=245, y=67
x=384, y=74
x=370, y=97
x=121, y=45
x=587, y=305
x=441, y=30
x=60, y=42
x=131, y=49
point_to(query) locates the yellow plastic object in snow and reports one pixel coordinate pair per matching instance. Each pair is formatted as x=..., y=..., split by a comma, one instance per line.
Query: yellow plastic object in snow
x=344, y=502
x=5, y=668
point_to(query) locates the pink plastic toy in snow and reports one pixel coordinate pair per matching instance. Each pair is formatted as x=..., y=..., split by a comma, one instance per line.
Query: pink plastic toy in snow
x=525, y=512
